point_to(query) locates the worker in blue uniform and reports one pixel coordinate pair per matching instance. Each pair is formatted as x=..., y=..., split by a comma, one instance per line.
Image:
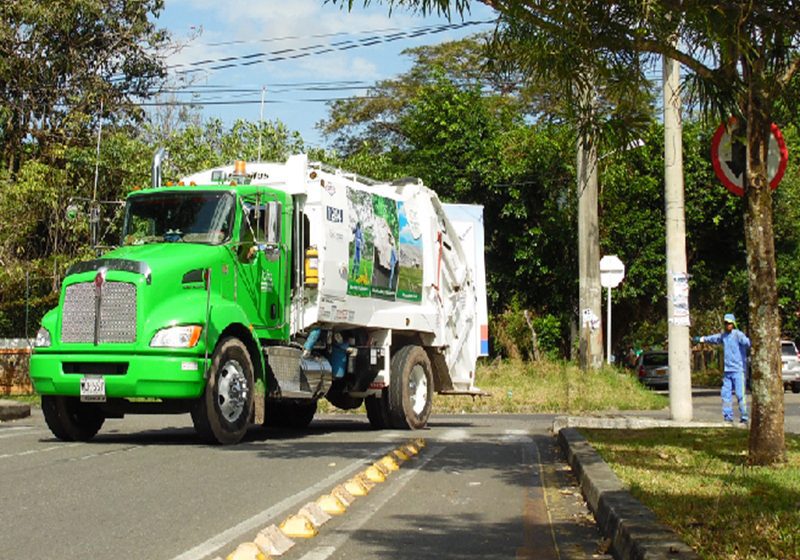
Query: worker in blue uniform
x=735, y=345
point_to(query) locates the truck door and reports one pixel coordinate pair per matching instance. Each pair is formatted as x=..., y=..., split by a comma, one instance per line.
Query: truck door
x=261, y=257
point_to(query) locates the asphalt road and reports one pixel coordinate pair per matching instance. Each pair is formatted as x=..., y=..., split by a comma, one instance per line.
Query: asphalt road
x=146, y=488
x=491, y=486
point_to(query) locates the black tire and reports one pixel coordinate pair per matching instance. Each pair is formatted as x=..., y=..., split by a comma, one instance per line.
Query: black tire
x=410, y=389
x=295, y=415
x=71, y=420
x=378, y=411
x=222, y=414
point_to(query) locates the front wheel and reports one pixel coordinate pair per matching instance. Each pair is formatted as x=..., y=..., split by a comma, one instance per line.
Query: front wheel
x=222, y=414
x=410, y=389
x=70, y=419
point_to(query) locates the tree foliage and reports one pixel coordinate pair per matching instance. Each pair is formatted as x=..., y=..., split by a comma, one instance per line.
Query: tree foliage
x=60, y=60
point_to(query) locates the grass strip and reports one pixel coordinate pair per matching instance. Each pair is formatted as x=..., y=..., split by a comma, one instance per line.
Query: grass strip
x=698, y=483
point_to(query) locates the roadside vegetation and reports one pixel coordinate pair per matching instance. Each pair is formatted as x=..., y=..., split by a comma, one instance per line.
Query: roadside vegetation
x=699, y=483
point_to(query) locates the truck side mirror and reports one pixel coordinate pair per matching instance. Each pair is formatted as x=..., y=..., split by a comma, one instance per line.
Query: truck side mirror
x=273, y=224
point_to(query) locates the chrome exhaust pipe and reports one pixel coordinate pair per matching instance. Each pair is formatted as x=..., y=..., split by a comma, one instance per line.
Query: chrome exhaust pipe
x=155, y=172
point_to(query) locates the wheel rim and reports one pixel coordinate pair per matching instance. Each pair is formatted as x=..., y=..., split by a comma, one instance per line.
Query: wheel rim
x=232, y=390
x=418, y=389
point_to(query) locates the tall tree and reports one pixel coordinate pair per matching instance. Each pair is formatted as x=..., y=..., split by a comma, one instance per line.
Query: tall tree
x=61, y=59
x=743, y=57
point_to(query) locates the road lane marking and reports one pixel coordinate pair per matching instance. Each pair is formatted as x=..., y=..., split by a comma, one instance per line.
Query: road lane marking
x=35, y=451
x=20, y=431
x=268, y=515
x=455, y=435
x=329, y=544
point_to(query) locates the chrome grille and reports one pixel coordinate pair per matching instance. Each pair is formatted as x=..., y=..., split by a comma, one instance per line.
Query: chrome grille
x=117, y=313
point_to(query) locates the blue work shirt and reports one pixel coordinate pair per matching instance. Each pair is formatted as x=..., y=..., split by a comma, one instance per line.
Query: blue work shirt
x=735, y=345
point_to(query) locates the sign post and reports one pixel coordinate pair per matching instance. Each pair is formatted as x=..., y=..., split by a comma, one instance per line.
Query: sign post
x=612, y=272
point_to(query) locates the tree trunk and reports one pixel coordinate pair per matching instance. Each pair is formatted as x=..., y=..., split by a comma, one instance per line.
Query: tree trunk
x=767, y=442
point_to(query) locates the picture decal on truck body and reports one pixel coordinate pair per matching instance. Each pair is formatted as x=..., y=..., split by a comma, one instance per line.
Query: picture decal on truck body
x=409, y=274
x=386, y=231
x=384, y=249
x=361, y=246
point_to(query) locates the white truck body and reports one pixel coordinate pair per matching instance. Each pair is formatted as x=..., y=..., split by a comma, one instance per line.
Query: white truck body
x=391, y=259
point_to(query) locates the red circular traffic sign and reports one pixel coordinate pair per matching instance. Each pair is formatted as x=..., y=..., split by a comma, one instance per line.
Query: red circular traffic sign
x=729, y=155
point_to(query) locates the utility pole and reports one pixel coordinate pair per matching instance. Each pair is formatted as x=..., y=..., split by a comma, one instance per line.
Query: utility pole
x=590, y=350
x=680, y=379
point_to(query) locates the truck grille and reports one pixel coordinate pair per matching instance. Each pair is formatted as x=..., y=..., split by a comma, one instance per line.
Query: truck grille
x=117, y=313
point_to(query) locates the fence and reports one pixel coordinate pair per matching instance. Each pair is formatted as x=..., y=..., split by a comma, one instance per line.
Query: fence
x=15, y=356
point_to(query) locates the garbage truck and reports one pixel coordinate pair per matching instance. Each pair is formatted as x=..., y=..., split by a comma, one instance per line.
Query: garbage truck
x=246, y=293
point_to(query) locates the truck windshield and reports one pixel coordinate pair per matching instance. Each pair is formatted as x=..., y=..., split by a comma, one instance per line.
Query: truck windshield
x=175, y=217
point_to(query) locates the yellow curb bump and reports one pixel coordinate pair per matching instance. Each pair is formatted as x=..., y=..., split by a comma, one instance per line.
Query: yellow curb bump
x=367, y=483
x=331, y=505
x=389, y=462
x=410, y=449
x=355, y=487
x=298, y=527
x=374, y=474
x=314, y=513
x=381, y=467
x=272, y=541
x=400, y=455
x=247, y=551
x=420, y=443
x=343, y=495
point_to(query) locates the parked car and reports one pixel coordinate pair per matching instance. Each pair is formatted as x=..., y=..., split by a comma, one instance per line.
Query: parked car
x=652, y=367
x=790, y=362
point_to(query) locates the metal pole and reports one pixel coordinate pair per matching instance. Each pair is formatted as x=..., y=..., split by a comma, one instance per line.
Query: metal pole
x=261, y=121
x=680, y=379
x=608, y=326
x=27, y=302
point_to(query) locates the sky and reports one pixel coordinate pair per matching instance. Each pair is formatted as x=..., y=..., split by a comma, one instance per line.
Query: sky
x=298, y=52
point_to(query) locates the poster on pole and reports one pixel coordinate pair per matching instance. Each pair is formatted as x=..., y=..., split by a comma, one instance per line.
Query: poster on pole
x=680, y=300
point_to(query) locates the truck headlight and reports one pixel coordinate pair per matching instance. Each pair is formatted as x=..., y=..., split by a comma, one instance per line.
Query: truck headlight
x=42, y=338
x=177, y=337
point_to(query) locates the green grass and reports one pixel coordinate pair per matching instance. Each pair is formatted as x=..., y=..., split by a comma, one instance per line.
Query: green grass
x=697, y=481
x=544, y=387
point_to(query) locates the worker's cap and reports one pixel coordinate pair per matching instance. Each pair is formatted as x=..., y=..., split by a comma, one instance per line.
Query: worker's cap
x=729, y=318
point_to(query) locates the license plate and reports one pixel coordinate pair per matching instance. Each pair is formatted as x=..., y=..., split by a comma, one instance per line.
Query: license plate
x=662, y=371
x=93, y=389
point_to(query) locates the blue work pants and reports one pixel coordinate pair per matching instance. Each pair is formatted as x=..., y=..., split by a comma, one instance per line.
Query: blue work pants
x=733, y=381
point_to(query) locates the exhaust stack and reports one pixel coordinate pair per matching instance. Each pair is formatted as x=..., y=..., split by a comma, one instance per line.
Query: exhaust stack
x=155, y=173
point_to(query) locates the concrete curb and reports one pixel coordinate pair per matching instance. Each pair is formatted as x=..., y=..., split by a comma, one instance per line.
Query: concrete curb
x=634, y=530
x=13, y=410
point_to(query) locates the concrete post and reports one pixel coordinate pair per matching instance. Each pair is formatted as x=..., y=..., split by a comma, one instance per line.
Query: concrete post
x=680, y=380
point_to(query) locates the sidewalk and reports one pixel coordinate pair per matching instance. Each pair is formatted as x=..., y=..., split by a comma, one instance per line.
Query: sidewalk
x=13, y=410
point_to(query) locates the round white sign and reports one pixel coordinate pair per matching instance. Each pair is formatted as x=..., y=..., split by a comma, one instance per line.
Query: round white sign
x=612, y=271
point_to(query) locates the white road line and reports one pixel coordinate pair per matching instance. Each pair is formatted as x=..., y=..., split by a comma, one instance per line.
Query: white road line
x=34, y=451
x=455, y=435
x=331, y=543
x=19, y=431
x=263, y=518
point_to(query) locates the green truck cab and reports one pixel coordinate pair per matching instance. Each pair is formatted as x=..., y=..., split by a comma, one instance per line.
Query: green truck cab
x=129, y=333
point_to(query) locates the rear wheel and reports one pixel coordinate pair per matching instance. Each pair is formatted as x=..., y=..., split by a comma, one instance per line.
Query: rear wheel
x=411, y=389
x=71, y=420
x=222, y=414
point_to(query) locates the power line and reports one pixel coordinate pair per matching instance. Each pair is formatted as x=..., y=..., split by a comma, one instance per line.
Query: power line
x=293, y=53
